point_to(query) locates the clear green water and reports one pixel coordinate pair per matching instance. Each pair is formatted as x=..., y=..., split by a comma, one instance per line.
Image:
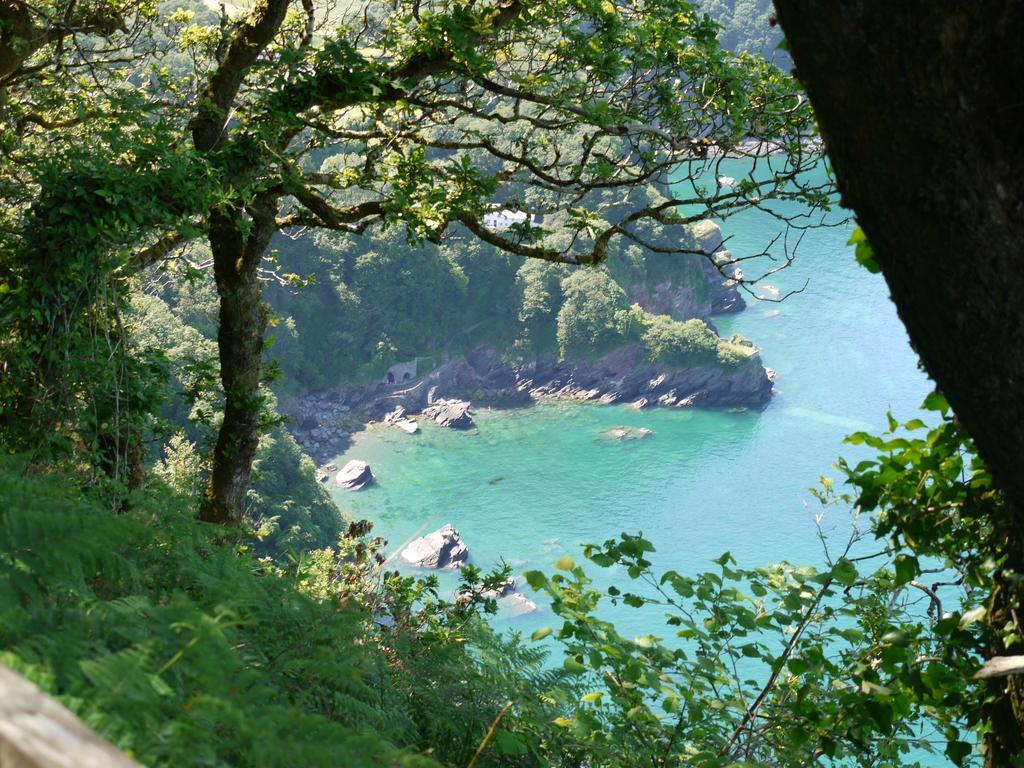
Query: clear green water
x=534, y=484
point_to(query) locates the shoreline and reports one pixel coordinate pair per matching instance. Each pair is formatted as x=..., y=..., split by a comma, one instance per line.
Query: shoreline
x=323, y=422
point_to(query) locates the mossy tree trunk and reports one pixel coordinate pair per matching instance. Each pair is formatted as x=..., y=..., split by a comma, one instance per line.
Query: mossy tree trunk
x=238, y=239
x=919, y=104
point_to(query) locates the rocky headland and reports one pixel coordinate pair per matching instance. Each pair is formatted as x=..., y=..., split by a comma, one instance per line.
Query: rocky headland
x=322, y=422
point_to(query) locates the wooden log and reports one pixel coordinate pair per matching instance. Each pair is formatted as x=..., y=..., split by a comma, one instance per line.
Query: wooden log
x=37, y=732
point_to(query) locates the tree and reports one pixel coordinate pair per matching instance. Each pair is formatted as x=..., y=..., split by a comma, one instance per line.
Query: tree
x=33, y=34
x=413, y=109
x=433, y=113
x=592, y=319
x=928, y=148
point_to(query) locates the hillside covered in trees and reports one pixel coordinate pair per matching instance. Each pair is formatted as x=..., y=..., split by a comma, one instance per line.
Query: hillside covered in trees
x=209, y=213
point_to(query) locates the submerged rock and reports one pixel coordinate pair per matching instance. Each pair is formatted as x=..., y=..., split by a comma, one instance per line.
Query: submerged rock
x=450, y=413
x=627, y=433
x=443, y=548
x=409, y=426
x=323, y=474
x=517, y=604
x=354, y=475
x=507, y=587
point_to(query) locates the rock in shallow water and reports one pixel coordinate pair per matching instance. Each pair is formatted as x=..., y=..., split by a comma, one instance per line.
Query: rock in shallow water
x=507, y=587
x=354, y=475
x=443, y=548
x=627, y=433
x=517, y=604
x=450, y=413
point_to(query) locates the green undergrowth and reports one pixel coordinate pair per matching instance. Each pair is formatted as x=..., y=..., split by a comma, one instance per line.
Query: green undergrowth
x=180, y=644
x=184, y=648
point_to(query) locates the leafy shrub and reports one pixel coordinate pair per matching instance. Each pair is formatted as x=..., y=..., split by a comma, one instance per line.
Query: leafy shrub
x=288, y=504
x=676, y=343
x=731, y=354
x=184, y=649
x=590, y=320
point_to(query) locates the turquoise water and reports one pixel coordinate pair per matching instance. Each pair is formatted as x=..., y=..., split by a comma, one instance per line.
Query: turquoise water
x=533, y=484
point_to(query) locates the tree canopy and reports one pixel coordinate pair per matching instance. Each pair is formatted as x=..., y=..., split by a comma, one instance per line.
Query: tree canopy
x=430, y=114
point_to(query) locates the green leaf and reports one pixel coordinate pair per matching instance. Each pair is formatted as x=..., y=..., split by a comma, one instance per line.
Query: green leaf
x=844, y=572
x=907, y=569
x=972, y=616
x=536, y=579
x=797, y=665
x=541, y=633
x=509, y=744
x=881, y=712
x=863, y=252
x=936, y=402
x=959, y=751
x=573, y=666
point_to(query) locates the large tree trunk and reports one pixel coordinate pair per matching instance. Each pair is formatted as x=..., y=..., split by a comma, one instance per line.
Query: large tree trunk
x=920, y=107
x=238, y=239
x=243, y=321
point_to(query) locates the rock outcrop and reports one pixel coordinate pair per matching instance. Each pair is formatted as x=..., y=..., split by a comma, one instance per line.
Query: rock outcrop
x=354, y=475
x=443, y=548
x=722, y=274
x=453, y=414
x=506, y=588
x=37, y=731
x=622, y=376
x=625, y=376
x=397, y=418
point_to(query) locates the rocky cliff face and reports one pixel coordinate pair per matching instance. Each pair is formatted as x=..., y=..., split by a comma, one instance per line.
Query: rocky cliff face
x=691, y=286
x=624, y=376
x=724, y=296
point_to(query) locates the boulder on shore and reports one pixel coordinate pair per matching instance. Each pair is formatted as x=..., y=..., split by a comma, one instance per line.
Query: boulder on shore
x=398, y=418
x=354, y=475
x=323, y=474
x=443, y=548
x=450, y=413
